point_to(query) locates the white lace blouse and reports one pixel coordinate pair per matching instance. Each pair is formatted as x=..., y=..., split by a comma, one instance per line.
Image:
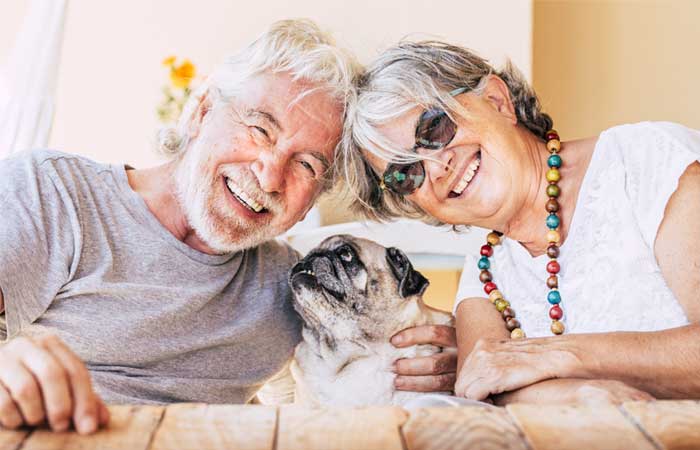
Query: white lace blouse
x=609, y=279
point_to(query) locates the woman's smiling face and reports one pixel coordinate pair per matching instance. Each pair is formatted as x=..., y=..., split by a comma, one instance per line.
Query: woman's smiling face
x=479, y=177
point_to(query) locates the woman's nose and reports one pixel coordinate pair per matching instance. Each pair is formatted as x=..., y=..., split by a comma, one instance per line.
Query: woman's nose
x=269, y=169
x=439, y=165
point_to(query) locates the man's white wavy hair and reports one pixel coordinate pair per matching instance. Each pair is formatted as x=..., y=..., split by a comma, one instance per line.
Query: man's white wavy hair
x=298, y=47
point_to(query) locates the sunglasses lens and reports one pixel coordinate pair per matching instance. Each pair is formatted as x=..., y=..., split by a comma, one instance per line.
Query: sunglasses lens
x=435, y=129
x=404, y=178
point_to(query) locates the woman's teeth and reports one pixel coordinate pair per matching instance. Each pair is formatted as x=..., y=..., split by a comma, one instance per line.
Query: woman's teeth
x=468, y=175
x=243, y=197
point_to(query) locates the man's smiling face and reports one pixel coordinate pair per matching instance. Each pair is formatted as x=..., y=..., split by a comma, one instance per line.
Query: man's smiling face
x=256, y=163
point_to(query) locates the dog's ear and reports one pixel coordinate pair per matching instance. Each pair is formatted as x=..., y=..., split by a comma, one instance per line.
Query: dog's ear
x=411, y=282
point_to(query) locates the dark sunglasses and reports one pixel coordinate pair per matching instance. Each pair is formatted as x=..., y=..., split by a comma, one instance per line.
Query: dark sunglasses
x=435, y=130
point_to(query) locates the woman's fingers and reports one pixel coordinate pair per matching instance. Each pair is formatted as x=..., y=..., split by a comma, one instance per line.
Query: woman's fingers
x=432, y=383
x=440, y=335
x=86, y=404
x=435, y=364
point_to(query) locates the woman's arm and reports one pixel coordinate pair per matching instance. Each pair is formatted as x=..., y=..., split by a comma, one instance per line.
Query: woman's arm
x=663, y=363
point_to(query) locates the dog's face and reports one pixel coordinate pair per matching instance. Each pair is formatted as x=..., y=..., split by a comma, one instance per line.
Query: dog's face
x=349, y=288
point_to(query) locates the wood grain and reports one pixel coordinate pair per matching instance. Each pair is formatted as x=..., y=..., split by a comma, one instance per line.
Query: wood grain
x=673, y=424
x=469, y=427
x=342, y=429
x=552, y=427
x=211, y=427
x=130, y=427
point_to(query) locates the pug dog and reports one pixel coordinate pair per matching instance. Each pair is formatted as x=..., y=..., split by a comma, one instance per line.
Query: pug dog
x=353, y=295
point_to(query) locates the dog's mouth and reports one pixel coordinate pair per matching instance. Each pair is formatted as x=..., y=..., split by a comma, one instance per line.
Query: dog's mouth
x=318, y=273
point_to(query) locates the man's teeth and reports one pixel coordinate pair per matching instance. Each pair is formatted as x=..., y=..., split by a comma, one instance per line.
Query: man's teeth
x=242, y=197
x=468, y=175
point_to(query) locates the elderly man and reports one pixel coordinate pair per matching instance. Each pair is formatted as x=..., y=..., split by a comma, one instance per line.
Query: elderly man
x=164, y=284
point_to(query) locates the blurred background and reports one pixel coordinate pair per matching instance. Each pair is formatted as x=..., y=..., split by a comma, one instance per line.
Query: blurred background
x=595, y=64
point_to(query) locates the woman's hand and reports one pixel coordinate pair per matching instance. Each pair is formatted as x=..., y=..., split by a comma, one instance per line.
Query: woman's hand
x=494, y=366
x=434, y=373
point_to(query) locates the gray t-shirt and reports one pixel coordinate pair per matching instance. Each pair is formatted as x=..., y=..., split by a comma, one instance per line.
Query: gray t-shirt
x=155, y=321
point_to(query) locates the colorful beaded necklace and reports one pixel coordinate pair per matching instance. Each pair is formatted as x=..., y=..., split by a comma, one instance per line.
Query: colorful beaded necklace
x=553, y=237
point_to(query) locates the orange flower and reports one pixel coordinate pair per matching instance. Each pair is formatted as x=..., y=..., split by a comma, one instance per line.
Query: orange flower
x=169, y=61
x=182, y=75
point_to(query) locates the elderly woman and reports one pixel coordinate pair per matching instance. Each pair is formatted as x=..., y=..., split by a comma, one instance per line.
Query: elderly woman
x=590, y=281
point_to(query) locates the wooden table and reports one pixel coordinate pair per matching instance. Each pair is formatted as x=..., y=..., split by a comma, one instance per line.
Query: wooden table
x=632, y=426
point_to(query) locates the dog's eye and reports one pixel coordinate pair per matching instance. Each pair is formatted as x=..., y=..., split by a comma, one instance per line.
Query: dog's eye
x=345, y=253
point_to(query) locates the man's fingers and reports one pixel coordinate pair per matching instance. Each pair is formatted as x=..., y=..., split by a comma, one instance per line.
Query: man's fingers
x=53, y=382
x=436, y=364
x=23, y=390
x=433, y=383
x=104, y=414
x=440, y=335
x=86, y=403
x=10, y=417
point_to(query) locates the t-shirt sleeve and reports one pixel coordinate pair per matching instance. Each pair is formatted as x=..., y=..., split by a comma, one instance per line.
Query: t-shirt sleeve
x=655, y=156
x=37, y=245
x=469, y=284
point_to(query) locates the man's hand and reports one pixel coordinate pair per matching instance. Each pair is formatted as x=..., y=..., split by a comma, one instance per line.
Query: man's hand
x=434, y=373
x=42, y=379
x=494, y=367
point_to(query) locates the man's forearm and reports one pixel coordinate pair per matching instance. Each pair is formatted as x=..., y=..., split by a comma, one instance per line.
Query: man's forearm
x=663, y=363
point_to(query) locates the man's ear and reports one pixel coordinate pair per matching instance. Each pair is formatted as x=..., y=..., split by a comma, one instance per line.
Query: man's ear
x=496, y=92
x=203, y=108
x=411, y=282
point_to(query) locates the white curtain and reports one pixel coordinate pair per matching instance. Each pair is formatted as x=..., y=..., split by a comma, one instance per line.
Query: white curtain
x=28, y=78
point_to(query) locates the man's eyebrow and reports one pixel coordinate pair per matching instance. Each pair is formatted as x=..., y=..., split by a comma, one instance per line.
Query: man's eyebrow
x=265, y=115
x=321, y=157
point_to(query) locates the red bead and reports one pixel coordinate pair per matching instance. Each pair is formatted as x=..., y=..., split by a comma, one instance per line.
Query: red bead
x=555, y=312
x=486, y=250
x=490, y=286
x=552, y=135
x=553, y=267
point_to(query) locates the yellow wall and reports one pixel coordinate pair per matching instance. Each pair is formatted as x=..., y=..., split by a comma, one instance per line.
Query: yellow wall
x=601, y=63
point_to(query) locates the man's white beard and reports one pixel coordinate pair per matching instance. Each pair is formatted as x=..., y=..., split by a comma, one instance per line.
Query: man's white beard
x=212, y=218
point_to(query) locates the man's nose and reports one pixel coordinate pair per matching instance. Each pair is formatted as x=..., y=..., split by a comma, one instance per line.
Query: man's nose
x=269, y=168
x=440, y=164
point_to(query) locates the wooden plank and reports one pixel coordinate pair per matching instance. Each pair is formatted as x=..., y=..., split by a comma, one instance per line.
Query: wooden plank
x=12, y=439
x=342, y=429
x=130, y=428
x=673, y=424
x=578, y=426
x=467, y=427
x=200, y=426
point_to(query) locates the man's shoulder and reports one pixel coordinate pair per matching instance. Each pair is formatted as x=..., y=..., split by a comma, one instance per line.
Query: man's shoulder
x=47, y=160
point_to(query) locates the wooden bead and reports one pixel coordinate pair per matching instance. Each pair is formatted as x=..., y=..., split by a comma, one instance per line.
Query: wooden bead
x=493, y=238
x=557, y=327
x=512, y=324
x=484, y=263
x=554, y=161
x=553, y=251
x=501, y=304
x=553, y=145
x=518, y=333
x=490, y=286
x=508, y=313
x=553, y=236
x=554, y=297
x=553, y=282
x=553, y=191
x=552, y=221
x=553, y=267
x=551, y=134
x=485, y=276
x=553, y=175
x=552, y=206
x=495, y=295
x=486, y=250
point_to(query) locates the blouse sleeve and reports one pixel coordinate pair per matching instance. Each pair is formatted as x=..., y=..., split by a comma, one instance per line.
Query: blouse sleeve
x=655, y=156
x=469, y=284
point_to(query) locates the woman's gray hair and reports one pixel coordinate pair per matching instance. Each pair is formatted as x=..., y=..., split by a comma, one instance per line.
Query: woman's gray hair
x=298, y=47
x=405, y=76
